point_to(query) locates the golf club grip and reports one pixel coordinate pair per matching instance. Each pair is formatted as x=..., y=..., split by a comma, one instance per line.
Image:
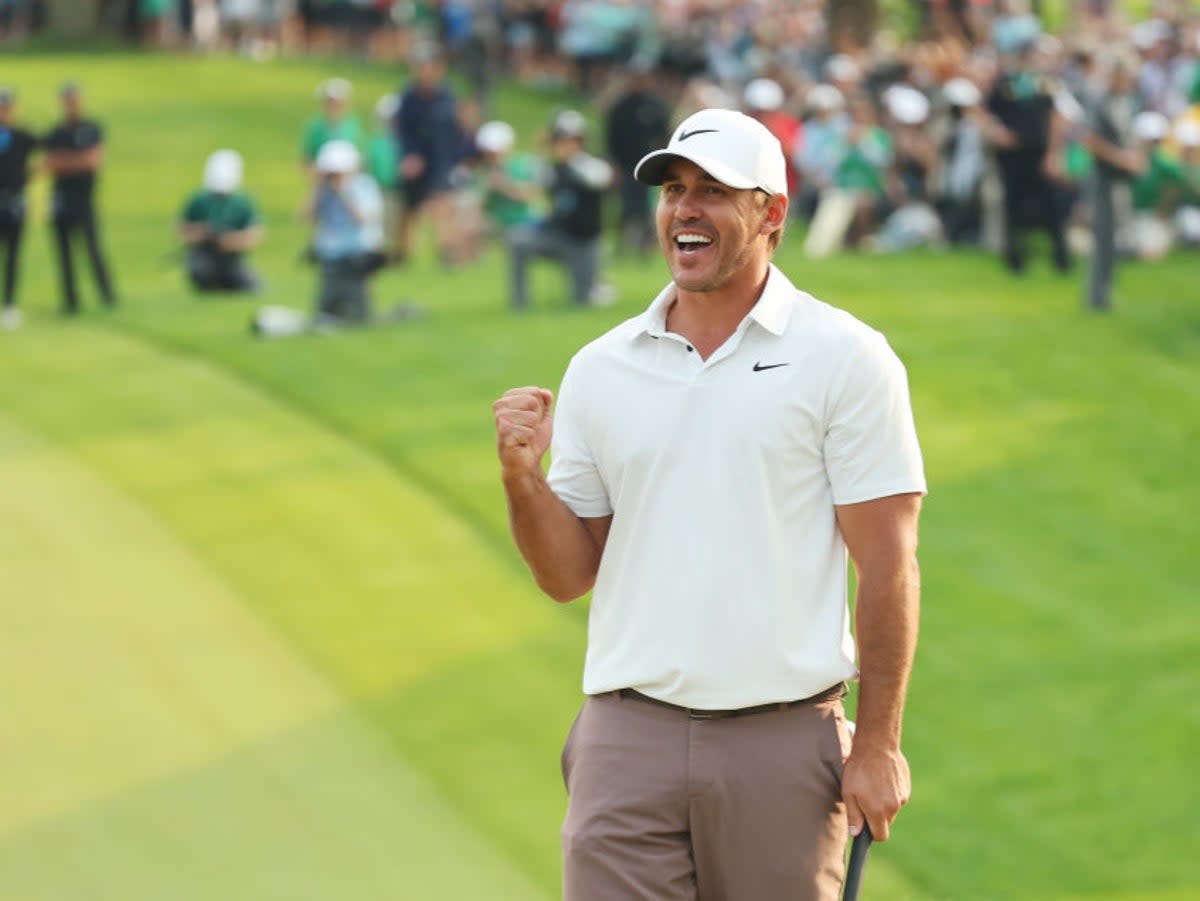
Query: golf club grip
x=859, y=847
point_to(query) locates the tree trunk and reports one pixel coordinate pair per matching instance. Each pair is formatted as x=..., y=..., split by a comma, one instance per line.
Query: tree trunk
x=852, y=23
x=73, y=17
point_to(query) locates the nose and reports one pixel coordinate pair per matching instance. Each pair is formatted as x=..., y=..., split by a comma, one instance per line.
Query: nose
x=687, y=208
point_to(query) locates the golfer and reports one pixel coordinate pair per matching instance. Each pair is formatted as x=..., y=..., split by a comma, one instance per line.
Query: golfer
x=713, y=461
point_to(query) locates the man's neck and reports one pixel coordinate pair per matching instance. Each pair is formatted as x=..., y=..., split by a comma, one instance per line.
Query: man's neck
x=707, y=319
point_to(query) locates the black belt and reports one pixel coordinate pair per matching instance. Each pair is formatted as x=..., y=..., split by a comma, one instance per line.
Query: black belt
x=830, y=694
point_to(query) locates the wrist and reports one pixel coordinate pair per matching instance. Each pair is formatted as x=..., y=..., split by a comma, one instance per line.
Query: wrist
x=520, y=479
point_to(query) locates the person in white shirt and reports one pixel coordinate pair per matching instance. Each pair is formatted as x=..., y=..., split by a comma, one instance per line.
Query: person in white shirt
x=714, y=461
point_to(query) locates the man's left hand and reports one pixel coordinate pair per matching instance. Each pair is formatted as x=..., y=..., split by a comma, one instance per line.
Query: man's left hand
x=875, y=785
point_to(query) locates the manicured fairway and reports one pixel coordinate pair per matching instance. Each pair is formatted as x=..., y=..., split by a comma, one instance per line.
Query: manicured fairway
x=262, y=634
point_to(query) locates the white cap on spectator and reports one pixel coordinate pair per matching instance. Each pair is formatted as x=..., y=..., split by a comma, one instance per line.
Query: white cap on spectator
x=568, y=123
x=495, y=137
x=386, y=106
x=907, y=105
x=337, y=158
x=826, y=97
x=1151, y=126
x=1187, y=222
x=763, y=94
x=223, y=172
x=730, y=146
x=961, y=92
x=334, y=89
x=1147, y=34
x=1187, y=133
x=842, y=68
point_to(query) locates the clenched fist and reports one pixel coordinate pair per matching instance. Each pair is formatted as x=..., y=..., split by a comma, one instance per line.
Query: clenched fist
x=523, y=429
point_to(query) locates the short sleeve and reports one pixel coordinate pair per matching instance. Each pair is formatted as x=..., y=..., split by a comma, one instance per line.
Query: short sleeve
x=574, y=476
x=193, y=210
x=871, y=448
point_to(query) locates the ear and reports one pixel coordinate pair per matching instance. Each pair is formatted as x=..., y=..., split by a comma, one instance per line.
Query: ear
x=774, y=214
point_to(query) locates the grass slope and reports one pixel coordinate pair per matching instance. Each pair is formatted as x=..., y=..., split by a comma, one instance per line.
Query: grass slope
x=1052, y=710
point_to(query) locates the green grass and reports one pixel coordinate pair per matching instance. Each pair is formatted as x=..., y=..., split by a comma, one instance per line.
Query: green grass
x=264, y=635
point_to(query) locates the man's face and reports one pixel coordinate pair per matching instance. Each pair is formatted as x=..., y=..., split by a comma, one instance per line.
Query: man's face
x=72, y=105
x=709, y=231
x=335, y=108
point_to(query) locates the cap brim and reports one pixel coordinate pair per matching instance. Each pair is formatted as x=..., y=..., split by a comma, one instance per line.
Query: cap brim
x=653, y=167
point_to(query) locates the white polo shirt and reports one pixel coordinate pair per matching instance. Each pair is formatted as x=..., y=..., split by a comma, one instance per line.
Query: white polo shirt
x=723, y=582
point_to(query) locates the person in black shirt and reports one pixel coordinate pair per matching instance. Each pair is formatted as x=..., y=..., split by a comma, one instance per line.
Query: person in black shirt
x=74, y=154
x=637, y=123
x=575, y=183
x=16, y=145
x=1025, y=129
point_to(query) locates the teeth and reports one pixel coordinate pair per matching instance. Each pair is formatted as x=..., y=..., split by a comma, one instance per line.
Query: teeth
x=693, y=239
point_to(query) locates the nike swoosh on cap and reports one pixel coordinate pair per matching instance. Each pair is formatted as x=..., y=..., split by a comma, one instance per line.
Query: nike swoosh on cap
x=684, y=135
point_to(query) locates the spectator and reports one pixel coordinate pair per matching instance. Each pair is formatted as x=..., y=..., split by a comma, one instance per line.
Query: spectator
x=334, y=123
x=763, y=99
x=825, y=135
x=1027, y=134
x=862, y=172
x=74, y=156
x=16, y=146
x=220, y=225
x=1154, y=189
x=383, y=162
x=1187, y=217
x=427, y=127
x=638, y=122
x=346, y=209
x=1114, y=161
x=571, y=235
x=509, y=182
x=961, y=165
x=913, y=222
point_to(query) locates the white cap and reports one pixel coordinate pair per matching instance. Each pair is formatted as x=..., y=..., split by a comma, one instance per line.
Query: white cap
x=907, y=105
x=842, y=68
x=730, y=146
x=1147, y=34
x=337, y=157
x=386, y=106
x=763, y=94
x=826, y=97
x=568, y=123
x=223, y=172
x=1187, y=133
x=961, y=92
x=495, y=137
x=1151, y=126
x=1187, y=222
x=334, y=89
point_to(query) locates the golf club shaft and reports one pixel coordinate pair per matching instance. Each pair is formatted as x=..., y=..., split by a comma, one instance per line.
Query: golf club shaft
x=859, y=846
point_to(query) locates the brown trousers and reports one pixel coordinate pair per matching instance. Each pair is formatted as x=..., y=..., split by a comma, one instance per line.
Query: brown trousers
x=667, y=808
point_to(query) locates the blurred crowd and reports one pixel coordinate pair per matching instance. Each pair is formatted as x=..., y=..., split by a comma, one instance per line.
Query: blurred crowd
x=981, y=129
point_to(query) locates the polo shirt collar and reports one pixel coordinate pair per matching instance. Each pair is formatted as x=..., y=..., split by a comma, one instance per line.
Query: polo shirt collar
x=772, y=312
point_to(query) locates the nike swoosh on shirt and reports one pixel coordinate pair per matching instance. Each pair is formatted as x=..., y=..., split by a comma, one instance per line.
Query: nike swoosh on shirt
x=684, y=135
x=759, y=367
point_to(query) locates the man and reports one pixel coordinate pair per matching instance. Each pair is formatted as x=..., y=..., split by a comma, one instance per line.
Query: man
x=638, y=122
x=1026, y=131
x=714, y=459
x=428, y=130
x=346, y=209
x=220, y=225
x=74, y=156
x=16, y=146
x=576, y=182
x=1116, y=159
x=334, y=123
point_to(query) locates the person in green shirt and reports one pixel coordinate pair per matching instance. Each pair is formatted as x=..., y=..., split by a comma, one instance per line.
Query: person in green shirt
x=336, y=122
x=383, y=164
x=863, y=169
x=219, y=225
x=509, y=183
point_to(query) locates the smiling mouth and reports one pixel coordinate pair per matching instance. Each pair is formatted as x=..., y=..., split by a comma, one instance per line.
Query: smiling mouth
x=691, y=242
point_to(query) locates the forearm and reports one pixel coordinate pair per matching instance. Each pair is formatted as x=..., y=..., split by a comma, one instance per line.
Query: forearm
x=560, y=551
x=886, y=618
